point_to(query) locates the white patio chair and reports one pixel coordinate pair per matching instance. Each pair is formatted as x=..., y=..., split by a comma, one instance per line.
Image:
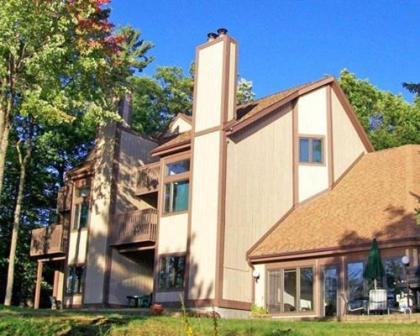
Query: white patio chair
x=378, y=301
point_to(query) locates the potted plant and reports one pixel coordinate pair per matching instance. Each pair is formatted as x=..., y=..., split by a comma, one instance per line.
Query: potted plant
x=156, y=309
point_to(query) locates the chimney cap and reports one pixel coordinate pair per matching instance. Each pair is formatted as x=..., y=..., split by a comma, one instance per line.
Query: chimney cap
x=211, y=36
x=222, y=31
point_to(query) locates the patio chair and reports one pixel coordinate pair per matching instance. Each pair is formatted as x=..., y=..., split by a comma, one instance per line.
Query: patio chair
x=378, y=301
x=350, y=308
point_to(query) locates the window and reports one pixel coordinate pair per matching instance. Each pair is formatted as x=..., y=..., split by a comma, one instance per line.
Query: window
x=306, y=289
x=394, y=276
x=81, y=215
x=290, y=290
x=177, y=184
x=355, y=283
x=178, y=167
x=75, y=280
x=171, y=274
x=311, y=150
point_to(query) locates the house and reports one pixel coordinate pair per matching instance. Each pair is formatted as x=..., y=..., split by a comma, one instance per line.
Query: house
x=272, y=203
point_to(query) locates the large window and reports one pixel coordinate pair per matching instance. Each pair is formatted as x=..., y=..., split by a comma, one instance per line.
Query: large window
x=81, y=207
x=311, y=150
x=177, y=184
x=394, y=276
x=290, y=290
x=171, y=272
x=75, y=280
x=355, y=283
x=81, y=215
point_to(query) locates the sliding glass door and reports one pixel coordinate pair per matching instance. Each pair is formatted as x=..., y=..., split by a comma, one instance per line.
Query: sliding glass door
x=330, y=288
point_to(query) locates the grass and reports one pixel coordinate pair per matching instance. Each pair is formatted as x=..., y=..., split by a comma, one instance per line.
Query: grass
x=26, y=322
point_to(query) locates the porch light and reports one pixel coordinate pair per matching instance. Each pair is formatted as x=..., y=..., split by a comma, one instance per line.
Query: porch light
x=256, y=275
x=406, y=261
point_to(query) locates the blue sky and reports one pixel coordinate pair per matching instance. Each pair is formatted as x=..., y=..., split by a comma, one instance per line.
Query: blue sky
x=284, y=43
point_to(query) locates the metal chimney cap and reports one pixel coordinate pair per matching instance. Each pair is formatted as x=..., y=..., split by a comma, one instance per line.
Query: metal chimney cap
x=211, y=36
x=222, y=31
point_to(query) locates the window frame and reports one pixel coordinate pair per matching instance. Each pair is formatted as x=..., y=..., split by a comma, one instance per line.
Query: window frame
x=171, y=289
x=69, y=290
x=167, y=179
x=297, y=269
x=310, y=139
x=78, y=202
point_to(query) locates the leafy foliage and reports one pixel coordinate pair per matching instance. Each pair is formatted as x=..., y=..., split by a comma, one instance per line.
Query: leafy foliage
x=388, y=119
x=64, y=67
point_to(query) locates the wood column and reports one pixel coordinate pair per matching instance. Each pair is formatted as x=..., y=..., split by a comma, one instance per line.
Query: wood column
x=38, y=284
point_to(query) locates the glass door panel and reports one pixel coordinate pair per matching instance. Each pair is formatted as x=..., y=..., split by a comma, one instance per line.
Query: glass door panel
x=330, y=290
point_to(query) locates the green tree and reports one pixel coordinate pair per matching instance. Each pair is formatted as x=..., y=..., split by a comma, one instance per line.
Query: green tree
x=59, y=61
x=388, y=119
x=244, y=93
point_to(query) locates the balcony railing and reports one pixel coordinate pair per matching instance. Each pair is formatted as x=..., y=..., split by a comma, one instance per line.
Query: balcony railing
x=47, y=241
x=148, y=179
x=135, y=227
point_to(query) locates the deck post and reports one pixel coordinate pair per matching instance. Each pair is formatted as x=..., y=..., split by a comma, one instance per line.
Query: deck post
x=38, y=284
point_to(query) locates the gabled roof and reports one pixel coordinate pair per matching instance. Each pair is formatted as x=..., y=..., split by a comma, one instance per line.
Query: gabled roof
x=249, y=113
x=376, y=198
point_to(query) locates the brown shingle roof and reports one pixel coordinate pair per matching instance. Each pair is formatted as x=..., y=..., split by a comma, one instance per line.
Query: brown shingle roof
x=376, y=198
x=176, y=141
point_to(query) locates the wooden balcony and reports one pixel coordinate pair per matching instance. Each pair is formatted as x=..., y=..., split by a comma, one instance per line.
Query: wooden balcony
x=135, y=228
x=64, y=199
x=47, y=241
x=148, y=179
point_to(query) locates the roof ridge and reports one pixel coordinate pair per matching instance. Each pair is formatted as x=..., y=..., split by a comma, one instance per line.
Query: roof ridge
x=293, y=88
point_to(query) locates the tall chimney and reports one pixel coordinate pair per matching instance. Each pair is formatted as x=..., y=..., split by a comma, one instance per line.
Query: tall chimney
x=214, y=104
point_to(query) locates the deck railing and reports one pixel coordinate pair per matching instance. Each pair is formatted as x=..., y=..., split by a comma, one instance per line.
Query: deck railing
x=148, y=179
x=47, y=241
x=135, y=227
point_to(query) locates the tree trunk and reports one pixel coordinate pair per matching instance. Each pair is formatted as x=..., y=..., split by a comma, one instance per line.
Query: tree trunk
x=4, y=141
x=16, y=220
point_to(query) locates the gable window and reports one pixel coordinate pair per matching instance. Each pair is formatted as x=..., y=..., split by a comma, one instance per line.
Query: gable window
x=75, y=280
x=311, y=150
x=176, y=186
x=171, y=272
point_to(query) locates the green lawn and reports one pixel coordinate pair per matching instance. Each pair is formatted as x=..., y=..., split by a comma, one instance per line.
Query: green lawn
x=27, y=322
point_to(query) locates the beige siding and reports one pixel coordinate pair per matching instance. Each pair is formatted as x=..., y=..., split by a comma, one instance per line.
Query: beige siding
x=232, y=81
x=99, y=217
x=209, y=87
x=77, y=247
x=134, y=152
x=347, y=145
x=173, y=232
x=169, y=296
x=130, y=277
x=312, y=120
x=204, y=215
x=259, y=191
x=179, y=125
x=259, y=293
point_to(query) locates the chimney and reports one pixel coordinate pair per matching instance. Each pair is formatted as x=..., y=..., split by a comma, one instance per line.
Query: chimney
x=214, y=104
x=215, y=80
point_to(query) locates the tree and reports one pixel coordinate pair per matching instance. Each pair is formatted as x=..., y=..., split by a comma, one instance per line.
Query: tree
x=158, y=99
x=245, y=93
x=59, y=61
x=388, y=119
